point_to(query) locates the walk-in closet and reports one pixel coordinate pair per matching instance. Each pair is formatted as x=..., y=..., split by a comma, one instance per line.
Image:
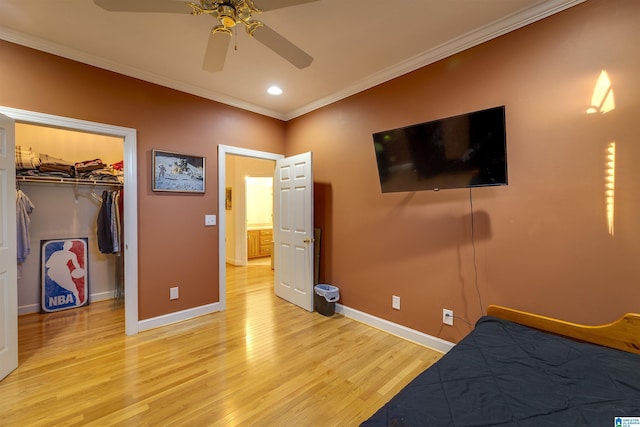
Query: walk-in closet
x=68, y=177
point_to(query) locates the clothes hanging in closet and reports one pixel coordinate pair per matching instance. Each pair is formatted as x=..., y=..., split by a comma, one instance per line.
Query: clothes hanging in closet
x=24, y=207
x=109, y=224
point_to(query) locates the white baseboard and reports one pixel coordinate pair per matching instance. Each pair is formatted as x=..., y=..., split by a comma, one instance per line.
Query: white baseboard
x=28, y=309
x=102, y=296
x=412, y=335
x=402, y=331
x=35, y=308
x=178, y=316
x=373, y=321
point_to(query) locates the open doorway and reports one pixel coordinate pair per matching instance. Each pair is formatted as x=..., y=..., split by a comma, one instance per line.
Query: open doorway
x=130, y=194
x=248, y=208
x=65, y=181
x=259, y=219
x=293, y=232
x=232, y=195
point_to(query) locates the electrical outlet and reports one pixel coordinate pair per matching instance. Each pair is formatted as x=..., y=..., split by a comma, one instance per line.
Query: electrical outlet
x=447, y=317
x=173, y=293
x=395, y=302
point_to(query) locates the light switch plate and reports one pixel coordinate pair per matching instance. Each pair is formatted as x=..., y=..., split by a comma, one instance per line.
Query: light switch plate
x=209, y=220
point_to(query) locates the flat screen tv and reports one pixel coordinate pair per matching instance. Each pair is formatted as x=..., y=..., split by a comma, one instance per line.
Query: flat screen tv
x=468, y=150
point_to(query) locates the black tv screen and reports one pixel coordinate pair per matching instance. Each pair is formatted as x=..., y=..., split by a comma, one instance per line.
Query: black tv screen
x=468, y=150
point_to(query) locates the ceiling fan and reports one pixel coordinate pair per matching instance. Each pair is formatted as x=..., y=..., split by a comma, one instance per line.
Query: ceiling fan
x=228, y=13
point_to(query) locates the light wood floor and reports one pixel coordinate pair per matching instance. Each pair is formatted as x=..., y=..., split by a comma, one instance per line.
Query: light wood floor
x=262, y=362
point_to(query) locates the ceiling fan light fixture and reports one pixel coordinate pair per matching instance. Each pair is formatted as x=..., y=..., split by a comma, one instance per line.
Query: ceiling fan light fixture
x=221, y=29
x=227, y=16
x=244, y=15
x=251, y=26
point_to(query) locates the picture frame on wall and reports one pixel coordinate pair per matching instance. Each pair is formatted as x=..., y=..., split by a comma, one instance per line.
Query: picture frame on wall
x=178, y=172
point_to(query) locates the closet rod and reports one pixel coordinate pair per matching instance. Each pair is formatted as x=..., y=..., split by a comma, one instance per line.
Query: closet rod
x=60, y=180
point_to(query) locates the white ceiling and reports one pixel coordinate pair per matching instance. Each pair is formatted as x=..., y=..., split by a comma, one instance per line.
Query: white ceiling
x=356, y=44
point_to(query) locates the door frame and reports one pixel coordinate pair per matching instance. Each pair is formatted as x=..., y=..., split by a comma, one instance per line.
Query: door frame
x=223, y=151
x=130, y=195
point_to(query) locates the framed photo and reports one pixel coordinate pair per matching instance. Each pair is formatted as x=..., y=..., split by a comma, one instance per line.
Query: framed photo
x=177, y=172
x=64, y=274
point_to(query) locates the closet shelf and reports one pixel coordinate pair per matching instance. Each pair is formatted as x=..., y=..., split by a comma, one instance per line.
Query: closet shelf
x=60, y=180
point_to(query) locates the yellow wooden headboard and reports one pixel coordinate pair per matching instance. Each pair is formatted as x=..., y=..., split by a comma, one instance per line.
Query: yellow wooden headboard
x=623, y=334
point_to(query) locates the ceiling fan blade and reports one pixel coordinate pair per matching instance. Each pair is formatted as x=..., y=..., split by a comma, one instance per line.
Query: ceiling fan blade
x=282, y=46
x=216, y=52
x=266, y=5
x=161, y=6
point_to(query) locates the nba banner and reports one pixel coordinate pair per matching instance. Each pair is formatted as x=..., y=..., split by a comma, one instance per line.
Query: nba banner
x=64, y=274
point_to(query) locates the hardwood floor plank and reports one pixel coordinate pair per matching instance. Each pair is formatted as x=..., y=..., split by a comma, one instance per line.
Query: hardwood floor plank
x=262, y=362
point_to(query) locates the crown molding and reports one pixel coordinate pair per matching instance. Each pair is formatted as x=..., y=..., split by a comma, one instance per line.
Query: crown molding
x=95, y=61
x=445, y=50
x=452, y=47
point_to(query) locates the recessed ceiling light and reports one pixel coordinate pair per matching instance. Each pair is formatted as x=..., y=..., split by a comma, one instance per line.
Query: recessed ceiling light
x=274, y=90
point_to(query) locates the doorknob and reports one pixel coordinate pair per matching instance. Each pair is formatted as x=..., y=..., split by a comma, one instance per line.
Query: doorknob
x=308, y=240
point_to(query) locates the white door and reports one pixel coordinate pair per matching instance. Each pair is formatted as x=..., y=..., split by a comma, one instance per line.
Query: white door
x=8, y=251
x=293, y=230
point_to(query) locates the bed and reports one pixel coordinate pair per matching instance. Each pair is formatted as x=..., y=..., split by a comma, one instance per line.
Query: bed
x=520, y=369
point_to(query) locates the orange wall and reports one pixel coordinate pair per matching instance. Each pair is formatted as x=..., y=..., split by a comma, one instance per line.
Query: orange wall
x=542, y=243
x=174, y=246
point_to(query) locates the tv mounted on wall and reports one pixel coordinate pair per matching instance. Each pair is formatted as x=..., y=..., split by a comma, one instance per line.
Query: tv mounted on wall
x=468, y=150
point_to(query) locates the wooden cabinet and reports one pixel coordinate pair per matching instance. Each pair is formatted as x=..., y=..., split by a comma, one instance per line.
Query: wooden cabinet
x=259, y=243
x=266, y=237
x=253, y=243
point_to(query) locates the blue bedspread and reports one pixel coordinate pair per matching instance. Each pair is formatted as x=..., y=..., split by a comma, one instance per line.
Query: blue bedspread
x=505, y=374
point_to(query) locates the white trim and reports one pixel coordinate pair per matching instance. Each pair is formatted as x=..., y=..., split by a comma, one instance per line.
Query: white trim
x=35, y=308
x=223, y=150
x=48, y=46
x=459, y=44
x=236, y=262
x=130, y=195
x=473, y=38
x=102, y=296
x=178, y=316
x=28, y=309
x=393, y=328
